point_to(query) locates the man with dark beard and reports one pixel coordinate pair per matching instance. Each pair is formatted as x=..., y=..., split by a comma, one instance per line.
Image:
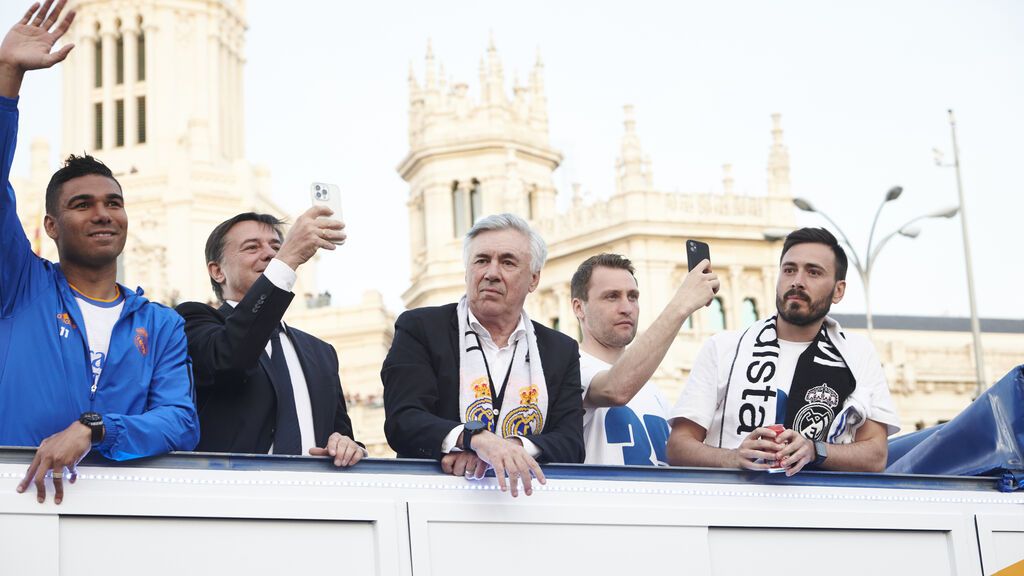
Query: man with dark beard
x=792, y=390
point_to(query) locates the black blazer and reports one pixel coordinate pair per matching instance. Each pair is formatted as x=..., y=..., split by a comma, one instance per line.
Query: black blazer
x=235, y=394
x=421, y=387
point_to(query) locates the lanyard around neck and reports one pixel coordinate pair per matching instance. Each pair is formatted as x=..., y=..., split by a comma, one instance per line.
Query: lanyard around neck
x=496, y=398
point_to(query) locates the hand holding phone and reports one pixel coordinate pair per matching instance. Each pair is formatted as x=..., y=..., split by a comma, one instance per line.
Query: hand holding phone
x=328, y=195
x=696, y=252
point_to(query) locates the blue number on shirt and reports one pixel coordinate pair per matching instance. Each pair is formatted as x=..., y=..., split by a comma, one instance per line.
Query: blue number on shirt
x=657, y=431
x=621, y=426
x=780, y=407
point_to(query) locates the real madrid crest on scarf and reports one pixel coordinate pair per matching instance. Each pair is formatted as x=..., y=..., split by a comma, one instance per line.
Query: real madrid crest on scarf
x=510, y=404
x=821, y=384
x=815, y=417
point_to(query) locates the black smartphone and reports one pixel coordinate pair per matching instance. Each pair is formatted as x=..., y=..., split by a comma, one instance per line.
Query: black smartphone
x=697, y=251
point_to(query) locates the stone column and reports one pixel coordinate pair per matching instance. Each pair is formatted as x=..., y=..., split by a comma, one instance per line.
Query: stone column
x=418, y=233
x=238, y=130
x=109, y=77
x=78, y=105
x=234, y=100
x=149, y=91
x=131, y=35
x=437, y=205
x=767, y=307
x=566, y=317
x=734, y=297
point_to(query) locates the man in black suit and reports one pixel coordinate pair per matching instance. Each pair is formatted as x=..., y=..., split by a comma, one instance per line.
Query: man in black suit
x=262, y=386
x=449, y=368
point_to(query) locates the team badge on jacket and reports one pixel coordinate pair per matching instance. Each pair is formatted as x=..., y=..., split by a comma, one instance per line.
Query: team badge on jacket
x=66, y=325
x=142, y=341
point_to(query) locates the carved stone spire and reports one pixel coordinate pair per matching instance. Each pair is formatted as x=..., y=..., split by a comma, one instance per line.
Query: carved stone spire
x=632, y=167
x=727, y=181
x=430, y=74
x=495, y=86
x=778, y=161
x=538, y=100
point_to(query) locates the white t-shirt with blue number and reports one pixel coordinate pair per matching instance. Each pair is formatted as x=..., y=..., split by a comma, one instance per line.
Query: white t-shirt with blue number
x=635, y=434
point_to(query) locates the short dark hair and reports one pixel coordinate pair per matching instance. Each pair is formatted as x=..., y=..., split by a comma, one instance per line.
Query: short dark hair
x=74, y=167
x=215, y=243
x=580, y=283
x=818, y=236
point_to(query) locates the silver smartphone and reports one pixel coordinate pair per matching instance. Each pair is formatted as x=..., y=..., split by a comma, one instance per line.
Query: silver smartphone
x=328, y=195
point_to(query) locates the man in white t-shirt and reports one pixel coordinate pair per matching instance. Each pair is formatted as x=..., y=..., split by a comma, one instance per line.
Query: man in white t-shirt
x=823, y=391
x=625, y=415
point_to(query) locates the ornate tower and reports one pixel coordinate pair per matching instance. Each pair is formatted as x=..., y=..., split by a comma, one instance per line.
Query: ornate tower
x=154, y=89
x=469, y=157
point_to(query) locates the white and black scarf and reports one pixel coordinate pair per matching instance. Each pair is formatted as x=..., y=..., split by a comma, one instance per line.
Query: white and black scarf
x=821, y=384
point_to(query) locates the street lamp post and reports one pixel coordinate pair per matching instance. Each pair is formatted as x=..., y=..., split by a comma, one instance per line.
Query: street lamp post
x=979, y=362
x=864, y=268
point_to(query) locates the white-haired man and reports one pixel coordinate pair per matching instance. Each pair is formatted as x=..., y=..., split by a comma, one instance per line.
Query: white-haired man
x=475, y=383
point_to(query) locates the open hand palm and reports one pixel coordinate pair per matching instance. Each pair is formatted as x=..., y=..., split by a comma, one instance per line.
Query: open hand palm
x=29, y=43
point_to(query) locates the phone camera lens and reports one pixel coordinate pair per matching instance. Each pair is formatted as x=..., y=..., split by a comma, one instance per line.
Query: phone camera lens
x=318, y=187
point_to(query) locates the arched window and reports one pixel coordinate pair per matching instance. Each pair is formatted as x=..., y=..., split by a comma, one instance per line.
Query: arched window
x=140, y=118
x=119, y=122
x=459, y=210
x=532, y=200
x=716, y=313
x=140, y=54
x=97, y=115
x=748, y=314
x=476, y=202
x=119, y=56
x=97, y=57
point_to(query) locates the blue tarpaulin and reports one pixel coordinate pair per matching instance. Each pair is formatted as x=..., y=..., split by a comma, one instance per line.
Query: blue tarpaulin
x=987, y=438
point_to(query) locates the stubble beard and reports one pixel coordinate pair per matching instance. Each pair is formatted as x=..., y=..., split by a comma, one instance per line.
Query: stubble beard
x=816, y=309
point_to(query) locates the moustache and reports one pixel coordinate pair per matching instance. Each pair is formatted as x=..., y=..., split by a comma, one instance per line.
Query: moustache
x=490, y=286
x=797, y=293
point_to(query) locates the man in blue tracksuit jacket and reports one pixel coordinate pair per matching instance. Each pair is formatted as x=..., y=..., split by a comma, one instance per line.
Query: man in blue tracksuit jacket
x=85, y=363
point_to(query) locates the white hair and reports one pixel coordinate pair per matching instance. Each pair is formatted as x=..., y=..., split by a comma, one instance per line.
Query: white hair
x=507, y=221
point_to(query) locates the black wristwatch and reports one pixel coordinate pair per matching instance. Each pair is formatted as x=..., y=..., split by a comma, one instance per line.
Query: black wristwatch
x=820, y=452
x=95, y=423
x=471, y=428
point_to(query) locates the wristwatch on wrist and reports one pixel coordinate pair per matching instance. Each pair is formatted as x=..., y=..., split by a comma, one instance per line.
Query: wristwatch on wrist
x=820, y=452
x=471, y=428
x=95, y=423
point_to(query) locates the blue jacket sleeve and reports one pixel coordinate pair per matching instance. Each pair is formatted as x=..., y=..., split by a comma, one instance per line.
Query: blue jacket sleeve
x=20, y=269
x=170, y=421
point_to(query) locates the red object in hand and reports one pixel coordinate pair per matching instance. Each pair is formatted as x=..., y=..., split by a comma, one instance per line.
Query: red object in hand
x=778, y=429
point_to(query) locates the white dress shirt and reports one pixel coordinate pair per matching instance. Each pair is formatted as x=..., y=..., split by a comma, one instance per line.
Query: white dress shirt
x=283, y=277
x=498, y=360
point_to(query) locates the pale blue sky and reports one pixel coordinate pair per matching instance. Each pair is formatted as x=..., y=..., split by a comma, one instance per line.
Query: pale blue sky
x=863, y=88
